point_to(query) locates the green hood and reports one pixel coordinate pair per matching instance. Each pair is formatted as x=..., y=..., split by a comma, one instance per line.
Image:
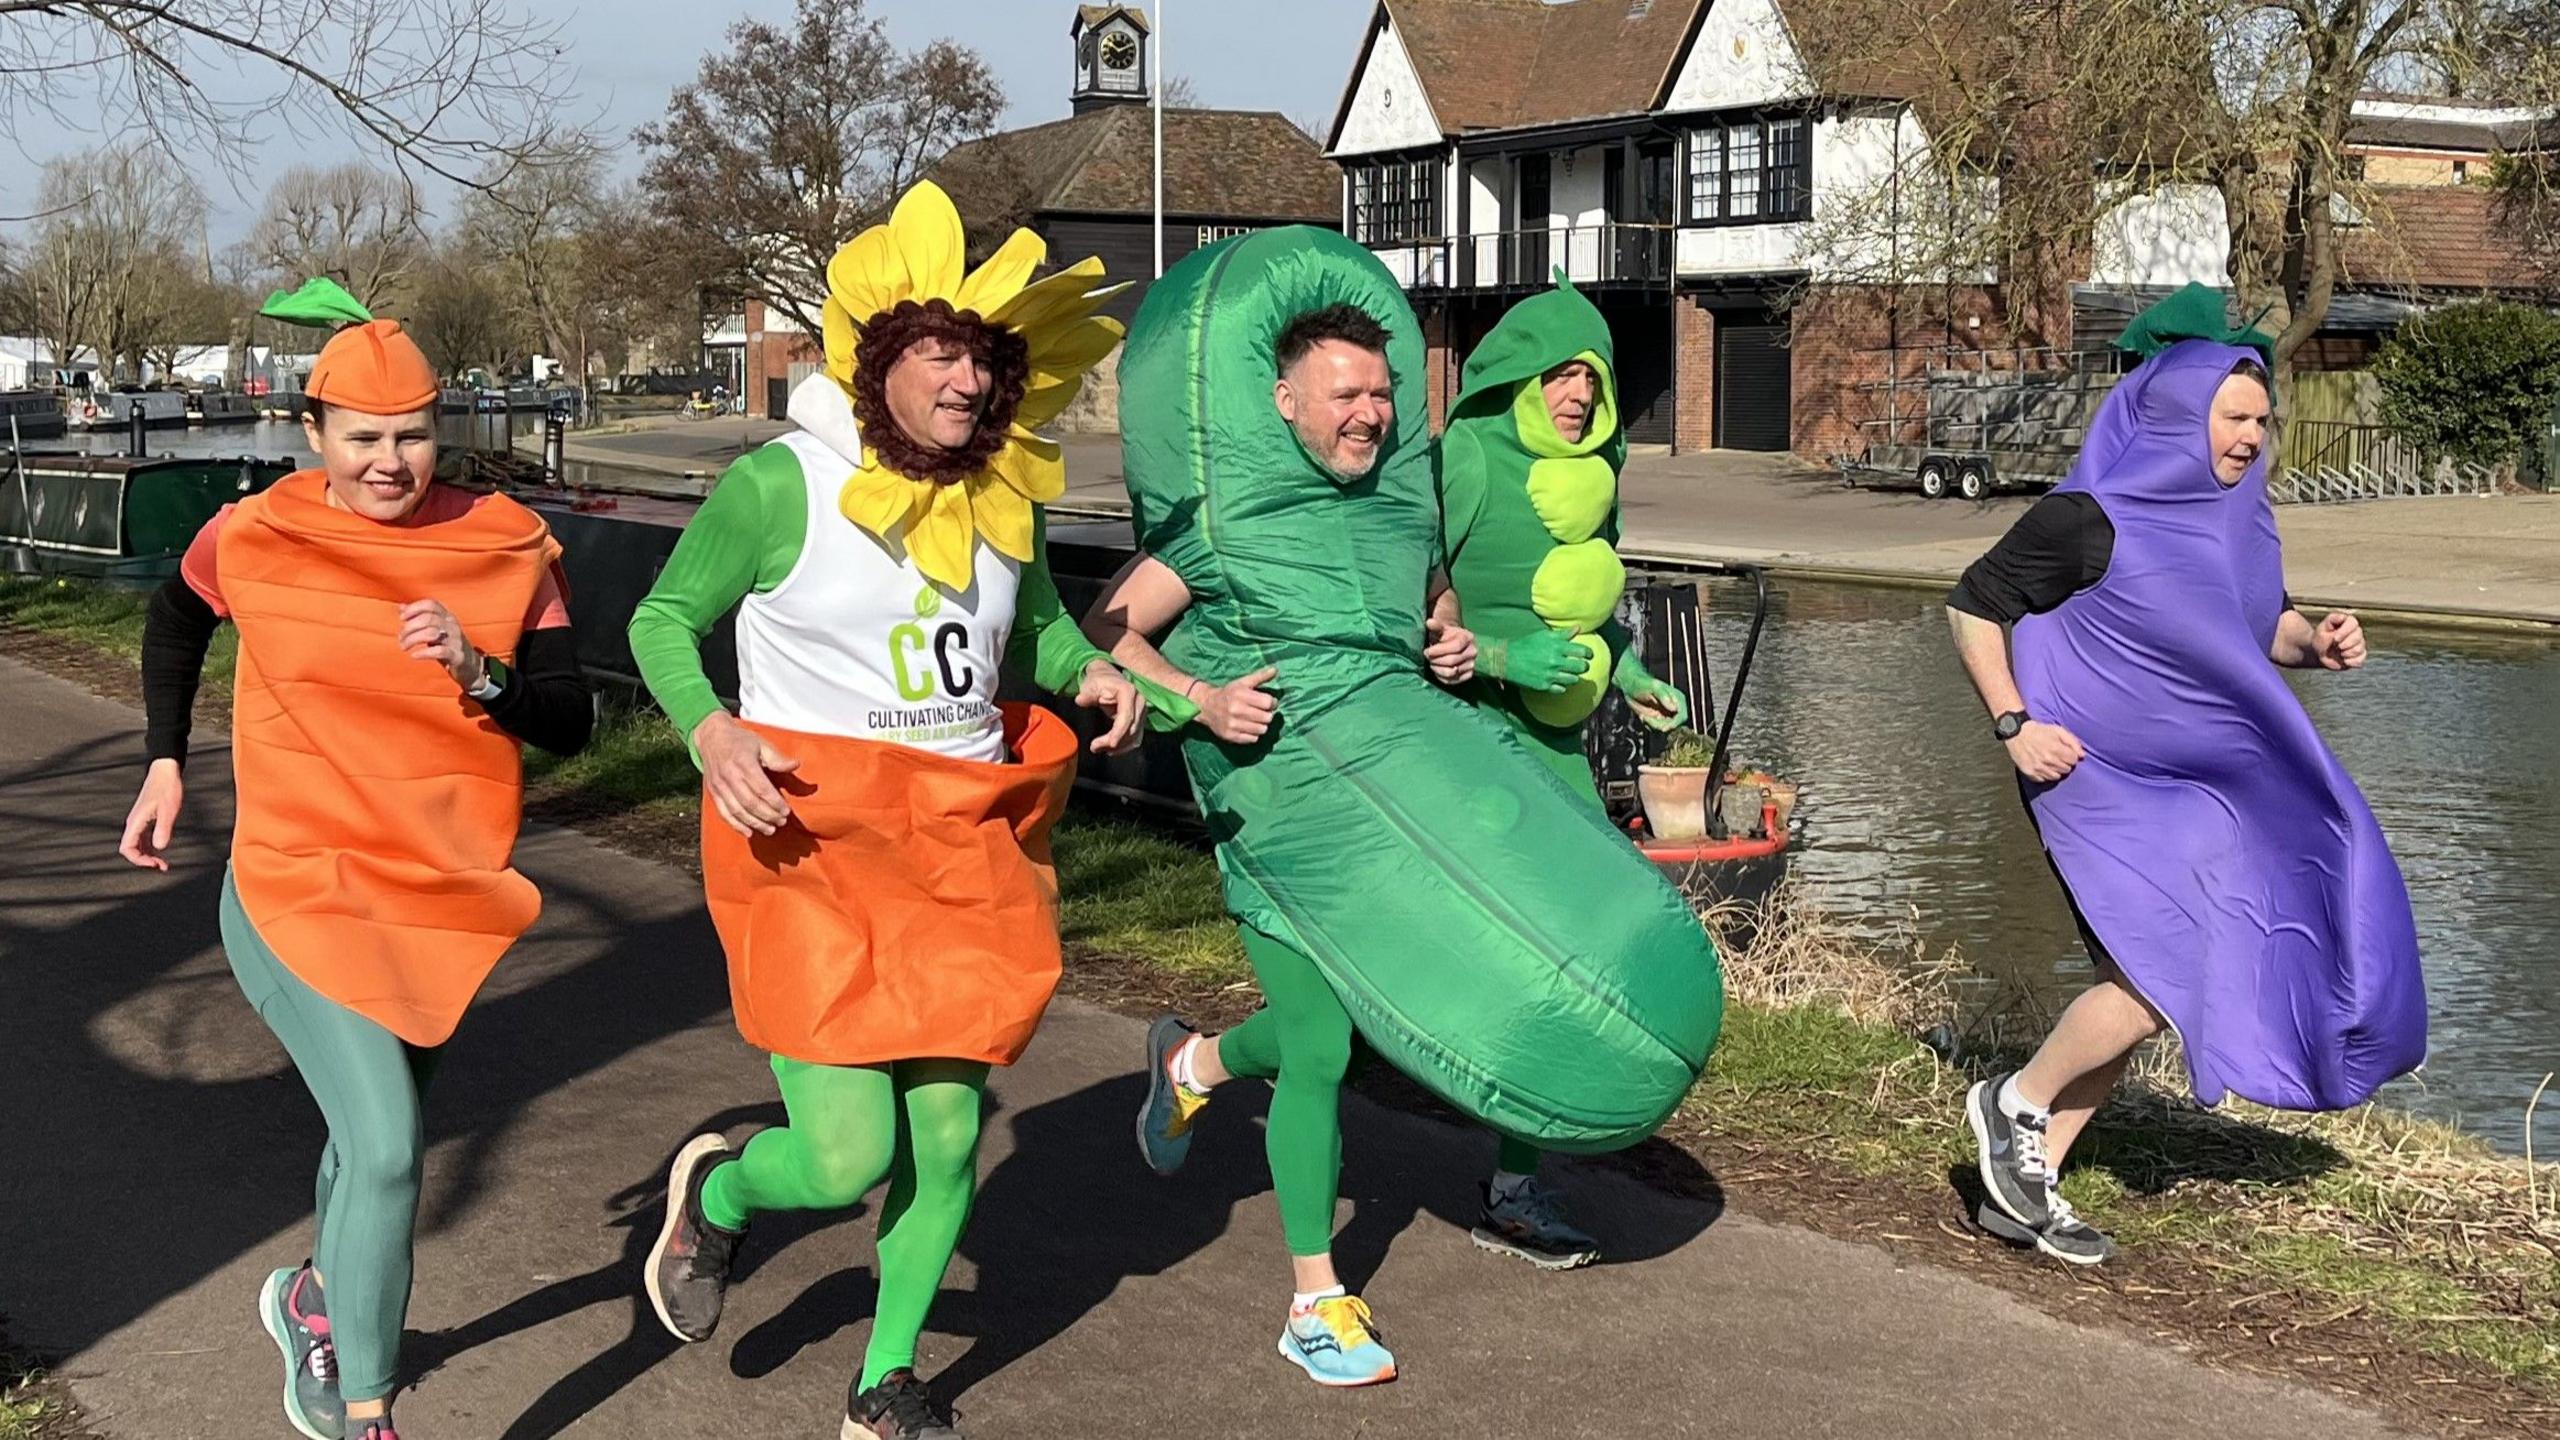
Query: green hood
x=1533, y=337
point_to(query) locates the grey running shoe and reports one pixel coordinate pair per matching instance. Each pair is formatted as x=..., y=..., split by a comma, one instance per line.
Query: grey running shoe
x=2009, y=1150
x=2065, y=1237
x=1530, y=1223
x=688, y=1271
x=297, y=1319
x=898, y=1408
x=1164, y=1121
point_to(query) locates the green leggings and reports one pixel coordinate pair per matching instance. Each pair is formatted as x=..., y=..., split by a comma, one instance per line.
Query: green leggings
x=368, y=1083
x=913, y=1123
x=1300, y=1041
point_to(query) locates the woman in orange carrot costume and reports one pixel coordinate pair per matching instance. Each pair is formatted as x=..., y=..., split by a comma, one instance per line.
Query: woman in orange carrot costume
x=875, y=846
x=399, y=642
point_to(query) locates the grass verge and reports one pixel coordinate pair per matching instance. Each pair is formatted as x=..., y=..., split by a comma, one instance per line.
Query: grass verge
x=2371, y=1252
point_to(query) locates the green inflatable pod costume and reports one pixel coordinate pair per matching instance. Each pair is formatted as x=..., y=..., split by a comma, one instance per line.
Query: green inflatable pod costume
x=1488, y=931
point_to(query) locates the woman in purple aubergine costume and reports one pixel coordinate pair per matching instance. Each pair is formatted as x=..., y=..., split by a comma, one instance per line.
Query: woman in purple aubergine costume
x=2227, y=876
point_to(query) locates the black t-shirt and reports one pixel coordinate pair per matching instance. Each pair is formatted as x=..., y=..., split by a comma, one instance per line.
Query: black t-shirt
x=2060, y=547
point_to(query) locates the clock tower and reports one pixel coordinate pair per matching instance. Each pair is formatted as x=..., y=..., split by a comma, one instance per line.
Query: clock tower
x=1111, y=55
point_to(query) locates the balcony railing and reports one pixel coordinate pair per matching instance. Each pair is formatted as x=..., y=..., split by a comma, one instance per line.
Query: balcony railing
x=1610, y=253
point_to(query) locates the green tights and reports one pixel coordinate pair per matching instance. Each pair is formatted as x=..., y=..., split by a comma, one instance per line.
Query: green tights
x=1300, y=1041
x=368, y=1083
x=913, y=1123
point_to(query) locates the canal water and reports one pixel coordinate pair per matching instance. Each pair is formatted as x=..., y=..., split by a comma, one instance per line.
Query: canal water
x=1911, y=816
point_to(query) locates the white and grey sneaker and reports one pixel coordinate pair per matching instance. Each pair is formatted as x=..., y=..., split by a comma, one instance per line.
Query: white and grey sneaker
x=2009, y=1150
x=2067, y=1237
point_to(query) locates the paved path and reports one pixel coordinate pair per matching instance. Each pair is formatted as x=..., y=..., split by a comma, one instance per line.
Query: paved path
x=2467, y=558
x=163, y=1149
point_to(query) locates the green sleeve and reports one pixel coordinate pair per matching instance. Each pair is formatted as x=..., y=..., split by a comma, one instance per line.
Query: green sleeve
x=1048, y=643
x=1045, y=639
x=745, y=538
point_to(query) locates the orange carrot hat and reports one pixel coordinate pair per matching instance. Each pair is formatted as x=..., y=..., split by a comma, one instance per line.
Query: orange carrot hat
x=370, y=365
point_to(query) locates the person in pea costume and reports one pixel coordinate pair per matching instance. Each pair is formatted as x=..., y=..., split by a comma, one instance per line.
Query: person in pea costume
x=401, y=641
x=1401, y=869
x=1529, y=523
x=1529, y=519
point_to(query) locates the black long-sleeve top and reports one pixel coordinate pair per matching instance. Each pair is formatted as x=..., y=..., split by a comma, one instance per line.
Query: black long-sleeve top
x=542, y=698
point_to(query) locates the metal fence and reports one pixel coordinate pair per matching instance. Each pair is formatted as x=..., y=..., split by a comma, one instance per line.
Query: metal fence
x=2326, y=461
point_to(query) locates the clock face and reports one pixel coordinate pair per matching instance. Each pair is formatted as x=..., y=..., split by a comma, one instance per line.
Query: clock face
x=1119, y=52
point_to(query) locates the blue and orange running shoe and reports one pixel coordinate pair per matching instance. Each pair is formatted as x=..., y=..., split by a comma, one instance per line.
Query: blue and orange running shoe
x=1336, y=1342
x=1164, y=1121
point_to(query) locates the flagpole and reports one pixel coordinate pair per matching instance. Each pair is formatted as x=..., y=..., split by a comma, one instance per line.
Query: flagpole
x=1156, y=102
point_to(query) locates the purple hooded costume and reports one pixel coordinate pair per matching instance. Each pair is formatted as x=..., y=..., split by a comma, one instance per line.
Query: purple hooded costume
x=2212, y=843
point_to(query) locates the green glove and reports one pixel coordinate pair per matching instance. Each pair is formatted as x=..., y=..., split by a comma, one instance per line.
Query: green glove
x=1659, y=703
x=1548, y=660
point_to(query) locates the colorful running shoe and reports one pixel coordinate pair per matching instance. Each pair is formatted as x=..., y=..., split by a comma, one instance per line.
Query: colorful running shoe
x=898, y=1408
x=1164, y=1121
x=1528, y=1222
x=688, y=1271
x=1336, y=1342
x=297, y=1319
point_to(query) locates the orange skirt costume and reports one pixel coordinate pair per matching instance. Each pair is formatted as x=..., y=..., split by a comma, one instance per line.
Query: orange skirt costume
x=910, y=909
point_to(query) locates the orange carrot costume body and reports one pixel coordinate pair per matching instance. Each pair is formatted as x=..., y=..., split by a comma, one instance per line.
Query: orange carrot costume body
x=377, y=807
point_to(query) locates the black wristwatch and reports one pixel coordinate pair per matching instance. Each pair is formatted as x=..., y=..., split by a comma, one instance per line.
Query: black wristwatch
x=2007, y=726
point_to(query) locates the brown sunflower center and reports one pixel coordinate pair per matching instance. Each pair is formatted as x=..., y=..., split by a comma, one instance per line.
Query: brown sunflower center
x=887, y=337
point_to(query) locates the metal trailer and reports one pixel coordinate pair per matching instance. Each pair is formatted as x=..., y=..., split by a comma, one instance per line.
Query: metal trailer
x=1974, y=422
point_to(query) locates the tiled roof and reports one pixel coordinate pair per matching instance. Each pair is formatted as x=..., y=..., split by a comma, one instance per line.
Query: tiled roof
x=1509, y=64
x=1248, y=164
x=2440, y=239
x=1091, y=15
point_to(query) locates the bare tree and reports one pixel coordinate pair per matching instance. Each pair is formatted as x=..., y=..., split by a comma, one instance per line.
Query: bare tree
x=2249, y=102
x=1181, y=94
x=112, y=257
x=528, y=225
x=461, y=316
x=797, y=136
x=352, y=223
x=455, y=88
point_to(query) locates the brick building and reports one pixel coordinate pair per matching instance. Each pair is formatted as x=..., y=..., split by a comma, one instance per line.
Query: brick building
x=1086, y=185
x=1678, y=159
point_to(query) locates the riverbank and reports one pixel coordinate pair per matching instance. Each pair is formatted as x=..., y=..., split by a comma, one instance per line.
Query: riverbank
x=2467, y=562
x=2368, y=1253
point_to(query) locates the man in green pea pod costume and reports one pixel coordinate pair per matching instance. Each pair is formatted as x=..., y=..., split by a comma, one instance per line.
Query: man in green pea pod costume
x=1529, y=526
x=1529, y=519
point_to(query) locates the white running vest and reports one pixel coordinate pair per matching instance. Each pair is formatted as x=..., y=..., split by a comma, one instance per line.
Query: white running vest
x=855, y=641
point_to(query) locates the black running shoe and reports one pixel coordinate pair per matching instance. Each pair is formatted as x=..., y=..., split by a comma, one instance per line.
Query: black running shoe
x=688, y=1271
x=2009, y=1149
x=898, y=1408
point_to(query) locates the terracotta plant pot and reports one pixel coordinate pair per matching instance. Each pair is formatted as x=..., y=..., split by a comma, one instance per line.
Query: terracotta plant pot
x=1674, y=799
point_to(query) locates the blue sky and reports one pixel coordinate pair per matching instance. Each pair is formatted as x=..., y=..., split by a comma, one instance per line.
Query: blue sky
x=1287, y=55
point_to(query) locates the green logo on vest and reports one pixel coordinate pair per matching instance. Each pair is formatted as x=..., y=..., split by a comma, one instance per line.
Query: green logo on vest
x=928, y=603
x=915, y=672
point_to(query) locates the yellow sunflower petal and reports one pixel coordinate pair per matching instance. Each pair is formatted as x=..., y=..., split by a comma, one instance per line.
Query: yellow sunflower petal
x=1003, y=517
x=867, y=276
x=1051, y=296
x=1035, y=467
x=1004, y=274
x=1046, y=399
x=926, y=229
x=942, y=539
x=843, y=339
x=880, y=501
x=1076, y=350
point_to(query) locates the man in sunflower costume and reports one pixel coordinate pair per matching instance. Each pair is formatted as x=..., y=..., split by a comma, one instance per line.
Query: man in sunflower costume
x=875, y=846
